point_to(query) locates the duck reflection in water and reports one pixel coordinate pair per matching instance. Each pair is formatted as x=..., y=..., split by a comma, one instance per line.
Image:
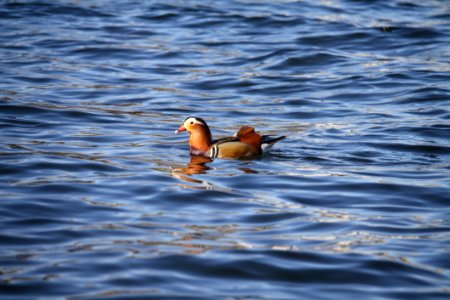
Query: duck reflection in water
x=199, y=165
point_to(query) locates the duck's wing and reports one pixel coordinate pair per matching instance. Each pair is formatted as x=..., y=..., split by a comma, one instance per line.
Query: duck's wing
x=233, y=149
x=226, y=139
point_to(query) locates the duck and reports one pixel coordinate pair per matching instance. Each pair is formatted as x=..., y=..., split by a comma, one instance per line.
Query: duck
x=246, y=143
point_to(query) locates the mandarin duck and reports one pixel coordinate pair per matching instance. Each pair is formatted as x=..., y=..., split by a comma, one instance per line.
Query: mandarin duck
x=246, y=143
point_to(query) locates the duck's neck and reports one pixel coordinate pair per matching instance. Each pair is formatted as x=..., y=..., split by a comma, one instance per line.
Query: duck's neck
x=200, y=141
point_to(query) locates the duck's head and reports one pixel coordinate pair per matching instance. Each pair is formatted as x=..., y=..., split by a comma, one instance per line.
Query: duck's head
x=192, y=124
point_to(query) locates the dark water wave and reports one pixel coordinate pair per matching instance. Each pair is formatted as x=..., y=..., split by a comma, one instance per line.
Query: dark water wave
x=100, y=200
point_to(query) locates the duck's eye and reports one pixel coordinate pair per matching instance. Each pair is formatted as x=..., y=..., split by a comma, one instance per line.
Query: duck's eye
x=192, y=122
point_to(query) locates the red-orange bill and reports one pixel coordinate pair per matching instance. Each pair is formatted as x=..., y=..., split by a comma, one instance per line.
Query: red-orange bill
x=181, y=129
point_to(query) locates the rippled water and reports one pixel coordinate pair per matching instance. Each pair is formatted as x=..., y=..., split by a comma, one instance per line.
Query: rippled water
x=100, y=199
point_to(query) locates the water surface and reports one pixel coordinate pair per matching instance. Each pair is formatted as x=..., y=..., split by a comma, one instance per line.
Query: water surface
x=100, y=199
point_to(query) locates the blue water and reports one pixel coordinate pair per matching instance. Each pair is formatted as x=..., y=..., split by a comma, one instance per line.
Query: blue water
x=99, y=199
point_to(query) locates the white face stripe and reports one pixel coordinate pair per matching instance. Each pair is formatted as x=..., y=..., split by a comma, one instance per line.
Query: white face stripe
x=192, y=121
